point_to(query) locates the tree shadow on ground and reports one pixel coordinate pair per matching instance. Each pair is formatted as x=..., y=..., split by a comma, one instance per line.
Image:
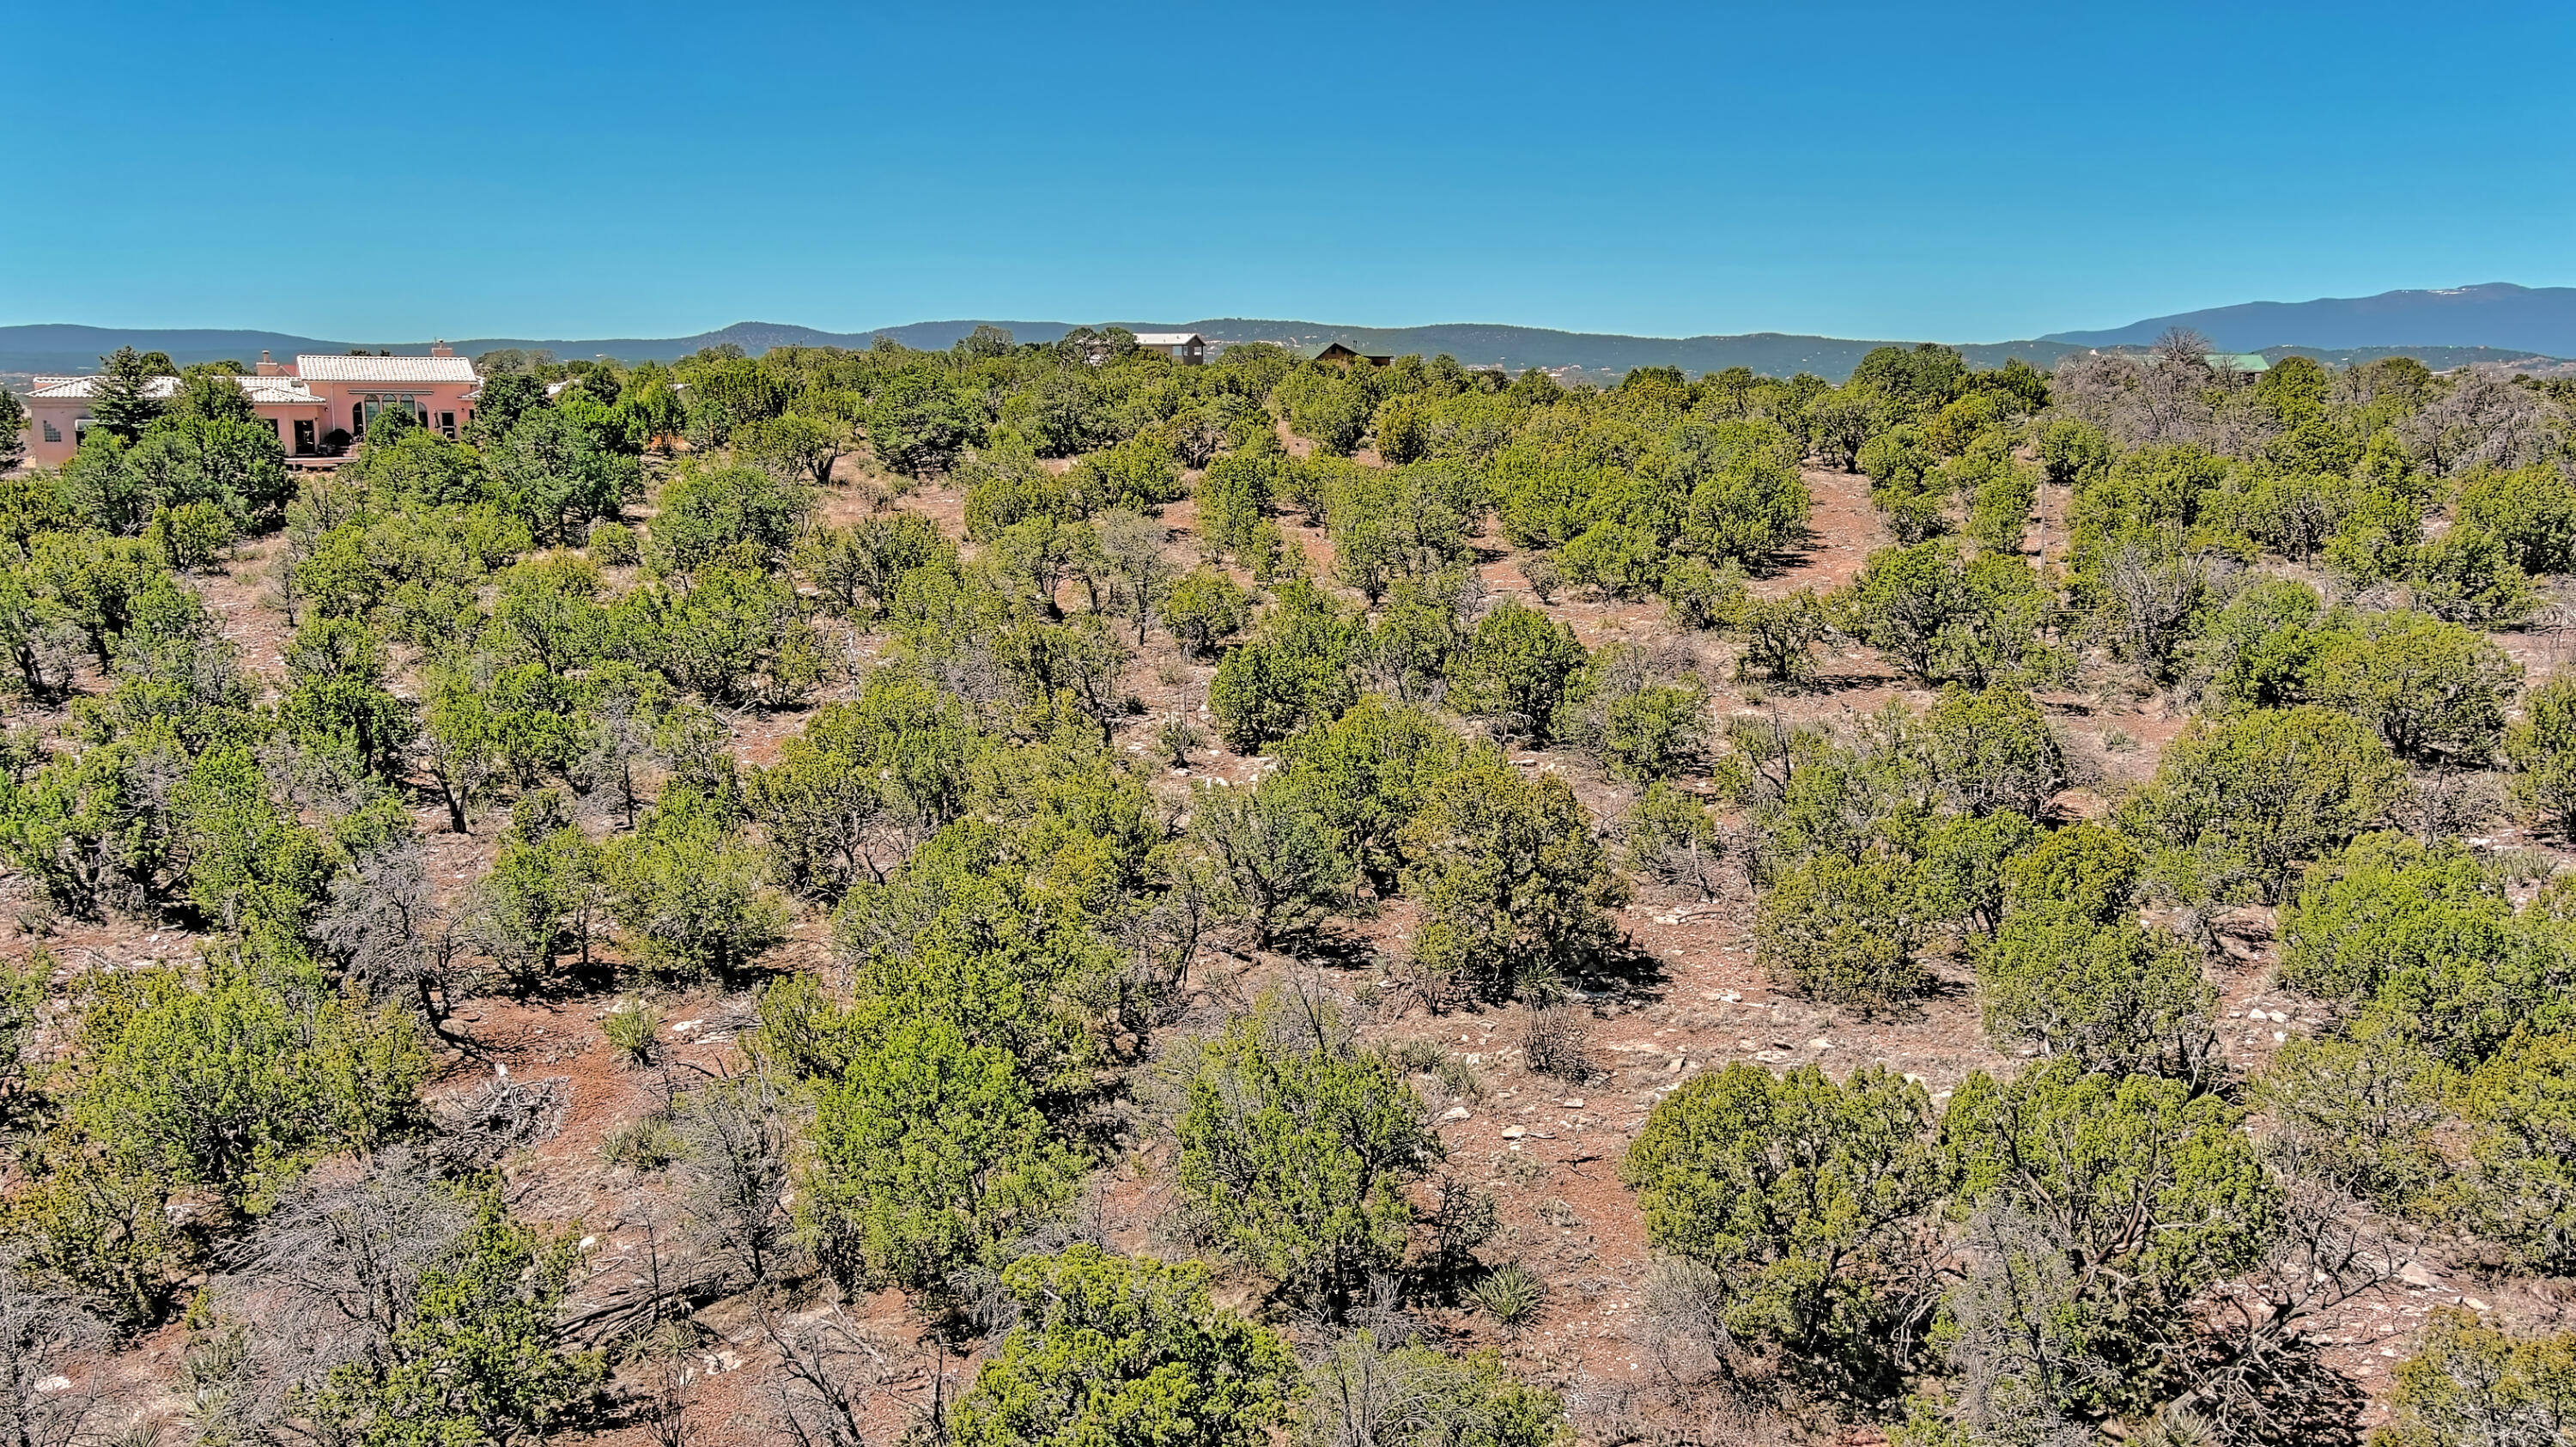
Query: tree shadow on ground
x=1624, y=973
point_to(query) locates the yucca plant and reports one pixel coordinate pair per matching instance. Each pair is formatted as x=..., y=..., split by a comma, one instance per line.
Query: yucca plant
x=1511, y=1294
x=648, y=1144
x=634, y=1034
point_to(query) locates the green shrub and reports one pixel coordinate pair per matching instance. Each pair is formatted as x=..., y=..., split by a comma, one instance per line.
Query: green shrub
x=1962, y=879
x=1993, y=751
x=1780, y=636
x=1515, y=669
x=235, y=1083
x=2433, y=690
x=478, y=1356
x=1115, y=1351
x=1294, y=675
x=1417, y=636
x=2086, y=868
x=336, y=700
x=2358, y=1109
x=2240, y=801
x=1670, y=836
x=687, y=892
x=712, y=512
x=1943, y=618
x=1235, y=496
x=1275, y=851
x=857, y=569
x=2531, y=511
x=1999, y=508
x=1747, y=502
x=930, y=1159
x=1654, y=731
x=1511, y=879
x=2425, y=936
x=556, y=471
x=1368, y=771
x=192, y=536
x=2470, y=1385
x=1176, y=739
x=1004, y=488
x=1801, y=1195
x=1436, y=1400
x=1641, y=727
x=2520, y=1190
x=613, y=545
x=1204, y=609
x=2112, y=996
x=2105, y=1207
x=1845, y=930
x=2377, y=539
x=2467, y=576
x=1395, y=523
x=2542, y=749
x=899, y=755
x=921, y=423
x=1299, y=1155
x=737, y=635
x=972, y=930
x=1700, y=598
x=2071, y=452
x=1138, y=475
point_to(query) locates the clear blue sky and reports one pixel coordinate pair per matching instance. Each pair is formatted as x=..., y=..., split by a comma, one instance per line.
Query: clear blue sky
x=1957, y=171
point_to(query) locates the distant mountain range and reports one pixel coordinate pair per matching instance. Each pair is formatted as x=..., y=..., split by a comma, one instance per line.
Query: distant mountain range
x=2515, y=319
x=2497, y=323
x=64, y=348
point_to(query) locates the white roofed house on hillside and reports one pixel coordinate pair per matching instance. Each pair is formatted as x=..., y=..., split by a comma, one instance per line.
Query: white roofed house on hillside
x=58, y=412
x=318, y=403
x=440, y=389
x=1187, y=348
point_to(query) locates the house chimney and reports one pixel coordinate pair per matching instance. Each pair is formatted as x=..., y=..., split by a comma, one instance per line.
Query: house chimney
x=440, y=348
x=268, y=368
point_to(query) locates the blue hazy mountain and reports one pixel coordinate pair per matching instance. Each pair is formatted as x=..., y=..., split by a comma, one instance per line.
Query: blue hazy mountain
x=2498, y=315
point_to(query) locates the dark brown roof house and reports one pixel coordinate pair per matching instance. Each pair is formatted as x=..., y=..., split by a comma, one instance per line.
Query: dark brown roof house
x=1340, y=355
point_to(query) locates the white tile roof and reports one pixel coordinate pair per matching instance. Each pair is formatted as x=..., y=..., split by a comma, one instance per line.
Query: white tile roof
x=275, y=390
x=278, y=389
x=1167, y=339
x=385, y=369
x=81, y=389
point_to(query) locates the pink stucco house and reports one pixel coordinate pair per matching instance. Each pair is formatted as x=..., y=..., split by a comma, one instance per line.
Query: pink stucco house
x=307, y=400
